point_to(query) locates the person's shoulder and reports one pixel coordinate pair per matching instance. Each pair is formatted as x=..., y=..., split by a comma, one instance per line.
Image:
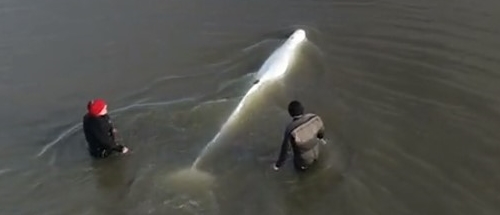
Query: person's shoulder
x=289, y=127
x=314, y=116
x=87, y=118
x=311, y=115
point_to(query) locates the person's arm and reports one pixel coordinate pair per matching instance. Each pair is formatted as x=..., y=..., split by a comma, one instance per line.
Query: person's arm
x=112, y=132
x=118, y=147
x=101, y=132
x=321, y=134
x=285, y=146
x=112, y=129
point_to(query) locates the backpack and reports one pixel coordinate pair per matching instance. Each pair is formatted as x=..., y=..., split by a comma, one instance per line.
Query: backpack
x=306, y=132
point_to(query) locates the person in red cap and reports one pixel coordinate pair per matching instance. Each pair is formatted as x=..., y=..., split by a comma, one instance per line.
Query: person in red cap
x=99, y=131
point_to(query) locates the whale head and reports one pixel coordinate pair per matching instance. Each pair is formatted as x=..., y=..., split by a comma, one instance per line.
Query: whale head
x=298, y=36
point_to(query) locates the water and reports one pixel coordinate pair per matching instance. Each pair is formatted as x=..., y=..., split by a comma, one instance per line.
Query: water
x=407, y=89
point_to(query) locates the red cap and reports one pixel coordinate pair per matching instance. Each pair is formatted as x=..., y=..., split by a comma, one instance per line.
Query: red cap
x=95, y=106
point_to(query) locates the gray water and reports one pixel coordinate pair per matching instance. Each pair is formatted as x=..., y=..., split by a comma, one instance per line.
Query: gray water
x=408, y=91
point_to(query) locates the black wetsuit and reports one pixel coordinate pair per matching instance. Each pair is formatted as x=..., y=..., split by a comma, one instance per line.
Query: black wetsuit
x=100, y=136
x=303, y=158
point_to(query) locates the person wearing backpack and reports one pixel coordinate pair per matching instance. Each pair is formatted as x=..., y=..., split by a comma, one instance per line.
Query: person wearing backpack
x=303, y=134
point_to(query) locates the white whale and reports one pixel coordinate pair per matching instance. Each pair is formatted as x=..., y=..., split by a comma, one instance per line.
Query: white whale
x=273, y=69
x=277, y=64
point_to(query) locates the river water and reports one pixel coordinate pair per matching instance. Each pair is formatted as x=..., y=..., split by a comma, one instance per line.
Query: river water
x=408, y=91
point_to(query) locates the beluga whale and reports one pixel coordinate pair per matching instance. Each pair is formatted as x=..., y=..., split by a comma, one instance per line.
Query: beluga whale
x=273, y=69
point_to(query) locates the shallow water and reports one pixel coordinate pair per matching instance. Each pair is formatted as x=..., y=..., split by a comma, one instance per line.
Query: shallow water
x=408, y=91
